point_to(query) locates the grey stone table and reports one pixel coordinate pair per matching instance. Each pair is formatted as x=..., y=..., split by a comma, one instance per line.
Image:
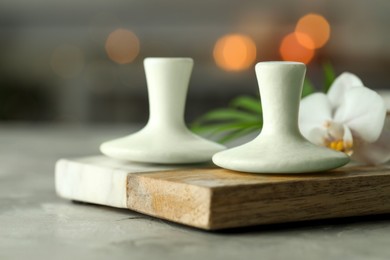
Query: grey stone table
x=36, y=224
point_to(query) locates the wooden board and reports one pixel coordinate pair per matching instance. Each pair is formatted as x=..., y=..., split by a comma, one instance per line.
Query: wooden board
x=213, y=198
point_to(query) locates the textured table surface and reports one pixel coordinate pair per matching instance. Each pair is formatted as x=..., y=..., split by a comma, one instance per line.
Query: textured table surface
x=36, y=224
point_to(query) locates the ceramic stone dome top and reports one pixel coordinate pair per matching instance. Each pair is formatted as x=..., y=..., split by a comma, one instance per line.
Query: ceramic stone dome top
x=280, y=147
x=165, y=139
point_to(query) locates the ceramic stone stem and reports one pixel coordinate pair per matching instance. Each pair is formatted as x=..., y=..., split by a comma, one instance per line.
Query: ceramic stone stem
x=280, y=147
x=167, y=90
x=280, y=92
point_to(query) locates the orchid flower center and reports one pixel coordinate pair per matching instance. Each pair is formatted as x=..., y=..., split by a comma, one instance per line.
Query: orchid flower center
x=340, y=145
x=337, y=139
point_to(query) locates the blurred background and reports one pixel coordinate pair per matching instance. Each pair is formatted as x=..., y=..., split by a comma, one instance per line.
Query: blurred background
x=80, y=61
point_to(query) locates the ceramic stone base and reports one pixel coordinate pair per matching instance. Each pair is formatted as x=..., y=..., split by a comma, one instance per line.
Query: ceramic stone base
x=280, y=147
x=165, y=139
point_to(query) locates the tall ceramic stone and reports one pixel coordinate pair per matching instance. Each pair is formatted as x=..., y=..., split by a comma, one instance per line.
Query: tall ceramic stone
x=165, y=139
x=280, y=147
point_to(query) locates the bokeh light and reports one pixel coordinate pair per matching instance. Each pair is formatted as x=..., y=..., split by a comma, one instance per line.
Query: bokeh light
x=67, y=61
x=234, y=52
x=316, y=27
x=122, y=46
x=292, y=50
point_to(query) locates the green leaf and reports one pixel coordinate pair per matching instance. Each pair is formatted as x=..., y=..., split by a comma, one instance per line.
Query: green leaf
x=247, y=103
x=329, y=75
x=228, y=114
x=242, y=125
x=308, y=88
x=243, y=116
x=213, y=129
x=237, y=133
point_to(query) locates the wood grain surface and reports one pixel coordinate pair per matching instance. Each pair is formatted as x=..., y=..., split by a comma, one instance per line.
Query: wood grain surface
x=215, y=198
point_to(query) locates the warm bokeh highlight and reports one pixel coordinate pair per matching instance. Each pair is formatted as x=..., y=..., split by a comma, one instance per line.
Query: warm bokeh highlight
x=316, y=27
x=122, y=46
x=292, y=50
x=234, y=52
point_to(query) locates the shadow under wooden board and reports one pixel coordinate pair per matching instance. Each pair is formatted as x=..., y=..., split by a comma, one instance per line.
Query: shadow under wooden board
x=212, y=198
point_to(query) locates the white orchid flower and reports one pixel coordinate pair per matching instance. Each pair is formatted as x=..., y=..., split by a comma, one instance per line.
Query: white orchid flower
x=350, y=118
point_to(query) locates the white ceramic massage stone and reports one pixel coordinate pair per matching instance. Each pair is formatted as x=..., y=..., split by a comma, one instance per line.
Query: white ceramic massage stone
x=280, y=147
x=165, y=139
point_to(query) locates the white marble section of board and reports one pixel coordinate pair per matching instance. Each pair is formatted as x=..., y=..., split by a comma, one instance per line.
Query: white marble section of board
x=99, y=179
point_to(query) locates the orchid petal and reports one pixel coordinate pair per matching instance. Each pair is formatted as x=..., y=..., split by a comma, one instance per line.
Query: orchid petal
x=340, y=86
x=364, y=112
x=336, y=130
x=347, y=141
x=347, y=138
x=377, y=152
x=314, y=112
x=317, y=136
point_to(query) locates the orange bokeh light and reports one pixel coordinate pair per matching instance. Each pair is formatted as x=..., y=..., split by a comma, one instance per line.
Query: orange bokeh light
x=292, y=50
x=234, y=52
x=122, y=46
x=316, y=27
